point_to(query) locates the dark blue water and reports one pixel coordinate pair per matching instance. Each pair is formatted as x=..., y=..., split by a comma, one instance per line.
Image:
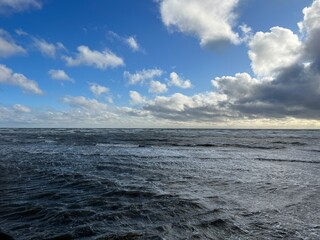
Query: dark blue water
x=159, y=184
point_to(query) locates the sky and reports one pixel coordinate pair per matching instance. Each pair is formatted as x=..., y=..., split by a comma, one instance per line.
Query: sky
x=160, y=63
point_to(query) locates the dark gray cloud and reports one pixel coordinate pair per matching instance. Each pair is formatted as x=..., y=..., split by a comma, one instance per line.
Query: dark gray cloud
x=294, y=92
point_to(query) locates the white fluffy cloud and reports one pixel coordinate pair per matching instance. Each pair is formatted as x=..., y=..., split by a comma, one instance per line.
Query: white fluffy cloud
x=7, y=76
x=142, y=76
x=97, y=89
x=7, y=45
x=235, y=87
x=136, y=98
x=177, y=102
x=271, y=51
x=311, y=17
x=157, y=87
x=176, y=80
x=10, y=6
x=58, y=74
x=210, y=20
x=21, y=108
x=101, y=60
x=47, y=49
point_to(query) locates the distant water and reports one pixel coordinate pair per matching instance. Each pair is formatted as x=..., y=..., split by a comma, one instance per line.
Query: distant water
x=159, y=184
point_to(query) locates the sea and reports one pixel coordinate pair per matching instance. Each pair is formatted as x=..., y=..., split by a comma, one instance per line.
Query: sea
x=62, y=184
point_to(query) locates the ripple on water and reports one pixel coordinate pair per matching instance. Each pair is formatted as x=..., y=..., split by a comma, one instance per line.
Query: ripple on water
x=159, y=184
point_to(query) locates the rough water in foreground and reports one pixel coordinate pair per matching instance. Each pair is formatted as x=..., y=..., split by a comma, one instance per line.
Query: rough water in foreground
x=159, y=184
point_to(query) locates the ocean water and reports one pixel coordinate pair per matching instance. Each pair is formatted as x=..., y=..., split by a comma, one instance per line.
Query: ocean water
x=159, y=184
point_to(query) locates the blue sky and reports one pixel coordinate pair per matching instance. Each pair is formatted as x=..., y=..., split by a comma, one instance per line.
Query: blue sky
x=165, y=63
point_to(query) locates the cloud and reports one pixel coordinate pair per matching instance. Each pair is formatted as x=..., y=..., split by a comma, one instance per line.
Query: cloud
x=20, y=32
x=21, y=108
x=271, y=51
x=142, y=76
x=58, y=74
x=179, y=107
x=147, y=76
x=311, y=18
x=157, y=87
x=79, y=114
x=283, y=89
x=176, y=102
x=294, y=93
x=295, y=90
x=81, y=102
x=246, y=33
x=310, y=26
x=286, y=86
x=239, y=86
x=136, y=98
x=209, y=20
x=47, y=49
x=7, y=76
x=133, y=44
x=120, y=116
x=97, y=89
x=83, y=112
x=130, y=41
x=10, y=6
x=101, y=60
x=176, y=80
x=7, y=45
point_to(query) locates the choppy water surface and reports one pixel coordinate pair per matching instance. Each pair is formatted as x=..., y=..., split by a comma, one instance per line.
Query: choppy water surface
x=159, y=184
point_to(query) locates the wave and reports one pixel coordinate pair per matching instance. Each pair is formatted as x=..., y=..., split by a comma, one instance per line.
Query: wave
x=229, y=145
x=119, y=145
x=291, y=143
x=313, y=150
x=286, y=160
